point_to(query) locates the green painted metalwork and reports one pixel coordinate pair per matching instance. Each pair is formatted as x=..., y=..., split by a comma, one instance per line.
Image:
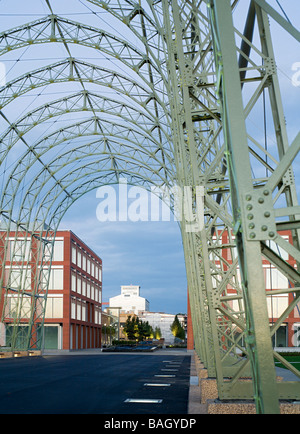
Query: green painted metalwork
x=168, y=104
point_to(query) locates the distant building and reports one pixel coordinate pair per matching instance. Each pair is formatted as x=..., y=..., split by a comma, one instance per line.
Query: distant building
x=110, y=324
x=123, y=318
x=129, y=300
x=163, y=321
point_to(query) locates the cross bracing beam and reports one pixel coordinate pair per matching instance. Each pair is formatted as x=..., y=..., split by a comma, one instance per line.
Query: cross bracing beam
x=180, y=55
x=77, y=186
x=84, y=102
x=76, y=172
x=129, y=143
x=264, y=76
x=236, y=113
x=54, y=29
x=30, y=302
x=70, y=70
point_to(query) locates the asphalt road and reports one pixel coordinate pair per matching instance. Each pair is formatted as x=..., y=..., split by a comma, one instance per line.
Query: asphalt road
x=95, y=384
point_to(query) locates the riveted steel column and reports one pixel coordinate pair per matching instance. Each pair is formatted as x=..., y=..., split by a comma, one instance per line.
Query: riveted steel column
x=258, y=332
x=180, y=66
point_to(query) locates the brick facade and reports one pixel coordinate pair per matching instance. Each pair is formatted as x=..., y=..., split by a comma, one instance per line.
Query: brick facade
x=277, y=303
x=74, y=296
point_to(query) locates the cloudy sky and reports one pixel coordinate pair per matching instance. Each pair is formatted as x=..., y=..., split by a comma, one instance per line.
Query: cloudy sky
x=150, y=254
x=144, y=253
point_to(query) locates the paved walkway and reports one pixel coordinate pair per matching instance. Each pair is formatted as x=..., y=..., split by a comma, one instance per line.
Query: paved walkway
x=95, y=382
x=194, y=404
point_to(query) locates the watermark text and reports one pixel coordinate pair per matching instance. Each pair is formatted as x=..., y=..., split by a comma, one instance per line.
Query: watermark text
x=134, y=203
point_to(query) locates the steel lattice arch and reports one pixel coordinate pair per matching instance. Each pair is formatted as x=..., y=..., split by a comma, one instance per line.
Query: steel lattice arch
x=166, y=99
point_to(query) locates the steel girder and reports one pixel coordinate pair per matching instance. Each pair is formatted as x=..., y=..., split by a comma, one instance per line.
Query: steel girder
x=188, y=126
x=254, y=200
x=54, y=170
x=227, y=215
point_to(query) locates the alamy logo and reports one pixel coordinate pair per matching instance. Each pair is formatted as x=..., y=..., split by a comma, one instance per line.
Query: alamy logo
x=296, y=75
x=134, y=203
x=2, y=74
x=296, y=336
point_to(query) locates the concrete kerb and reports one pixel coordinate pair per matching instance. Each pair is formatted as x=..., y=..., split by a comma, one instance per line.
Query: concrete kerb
x=10, y=354
x=195, y=405
x=204, y=395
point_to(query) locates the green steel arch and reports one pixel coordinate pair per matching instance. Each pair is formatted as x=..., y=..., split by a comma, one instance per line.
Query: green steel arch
x=72, y=69
x=184, y=84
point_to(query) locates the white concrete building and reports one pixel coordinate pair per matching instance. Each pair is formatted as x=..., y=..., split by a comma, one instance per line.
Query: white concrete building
x=163, y=321
x=130, y=300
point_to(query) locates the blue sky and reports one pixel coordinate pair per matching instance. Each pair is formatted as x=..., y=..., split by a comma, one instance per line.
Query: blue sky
x=144, y=253
x=149, y=254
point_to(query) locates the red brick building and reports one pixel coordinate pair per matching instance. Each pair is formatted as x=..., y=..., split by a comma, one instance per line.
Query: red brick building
x=73, y=309
x=277, y=303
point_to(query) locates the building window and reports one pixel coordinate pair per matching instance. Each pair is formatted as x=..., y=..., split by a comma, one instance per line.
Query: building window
x=73, y=282
x=79, y=258
x=78, y=314
x=18, y=306
x=84, y=262
x=277, y=305
x=56, y=280
x=18, y=278
x=54, y=307
x=97, y=316
x=73, y=308
x=74, y=255
x=20, y=250
x=79, y=285
x=279, y=339
x=58, y=253
x=83, y=305
x=84, y=287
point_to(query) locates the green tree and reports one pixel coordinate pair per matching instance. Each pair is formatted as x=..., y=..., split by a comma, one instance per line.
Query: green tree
x=157, y=333
x=144, y=330
x=135, y=328
x=177, y=329
x=130, y=328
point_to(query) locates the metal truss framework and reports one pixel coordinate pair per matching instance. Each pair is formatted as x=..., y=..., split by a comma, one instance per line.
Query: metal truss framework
x=172, y=108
